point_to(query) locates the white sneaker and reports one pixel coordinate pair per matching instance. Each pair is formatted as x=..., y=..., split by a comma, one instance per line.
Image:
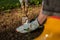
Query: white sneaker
x=28, y=27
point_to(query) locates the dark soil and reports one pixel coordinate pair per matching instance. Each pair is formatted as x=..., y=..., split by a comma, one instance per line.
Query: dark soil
x=13, y=35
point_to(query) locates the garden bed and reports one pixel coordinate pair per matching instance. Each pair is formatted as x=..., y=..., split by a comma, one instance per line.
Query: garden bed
x=9, y=21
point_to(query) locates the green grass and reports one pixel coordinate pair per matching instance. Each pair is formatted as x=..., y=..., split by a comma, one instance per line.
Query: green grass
x=9, y=4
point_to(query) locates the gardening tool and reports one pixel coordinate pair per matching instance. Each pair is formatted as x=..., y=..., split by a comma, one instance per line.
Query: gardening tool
x=24, y=7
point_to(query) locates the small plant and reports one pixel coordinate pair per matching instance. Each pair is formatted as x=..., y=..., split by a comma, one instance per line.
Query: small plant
x=35, y=2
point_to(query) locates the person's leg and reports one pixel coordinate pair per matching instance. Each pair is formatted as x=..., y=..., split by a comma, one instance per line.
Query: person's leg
x=42, y=17
x=28, y=27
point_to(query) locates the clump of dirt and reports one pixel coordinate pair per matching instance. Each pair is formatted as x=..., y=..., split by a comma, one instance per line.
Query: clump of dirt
x=10, y=21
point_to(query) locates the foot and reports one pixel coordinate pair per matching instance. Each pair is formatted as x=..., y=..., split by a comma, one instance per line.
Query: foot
x=28, y=27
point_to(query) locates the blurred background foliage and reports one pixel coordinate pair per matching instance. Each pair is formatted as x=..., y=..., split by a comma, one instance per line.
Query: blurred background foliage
x=9, y=4
x=35, y=2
